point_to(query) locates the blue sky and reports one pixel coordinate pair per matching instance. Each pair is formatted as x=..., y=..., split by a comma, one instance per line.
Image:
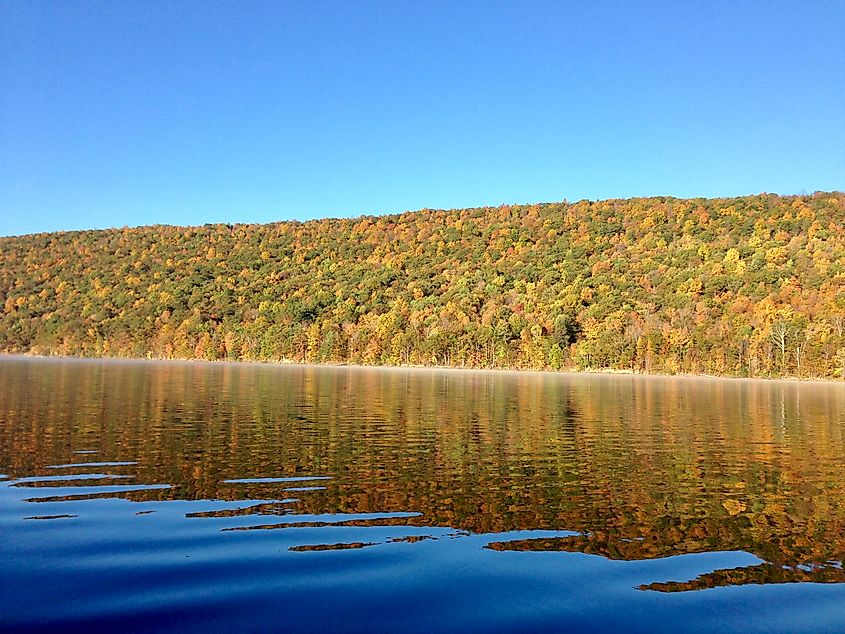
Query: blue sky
x=120, y=113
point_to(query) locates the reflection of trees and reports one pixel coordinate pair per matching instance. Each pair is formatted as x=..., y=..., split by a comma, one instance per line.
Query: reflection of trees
x=762, y=574
x=645, y=468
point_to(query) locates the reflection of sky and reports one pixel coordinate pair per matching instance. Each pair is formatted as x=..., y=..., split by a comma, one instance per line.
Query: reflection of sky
x=122, y=557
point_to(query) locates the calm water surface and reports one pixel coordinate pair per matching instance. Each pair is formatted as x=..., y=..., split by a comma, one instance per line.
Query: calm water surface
x=199, y=497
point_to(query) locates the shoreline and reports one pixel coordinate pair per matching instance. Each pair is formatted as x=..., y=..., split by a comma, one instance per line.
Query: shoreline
x=597, y=372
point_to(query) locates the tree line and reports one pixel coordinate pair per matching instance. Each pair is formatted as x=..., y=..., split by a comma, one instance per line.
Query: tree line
x=747, y=286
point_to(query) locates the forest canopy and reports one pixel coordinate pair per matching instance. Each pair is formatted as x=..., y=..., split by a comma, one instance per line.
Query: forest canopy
x=749, y=286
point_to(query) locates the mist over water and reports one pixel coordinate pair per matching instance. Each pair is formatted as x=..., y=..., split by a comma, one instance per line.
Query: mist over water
x=190, y=496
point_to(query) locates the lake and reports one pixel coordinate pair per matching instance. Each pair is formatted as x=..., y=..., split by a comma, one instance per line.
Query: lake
x=181, y=497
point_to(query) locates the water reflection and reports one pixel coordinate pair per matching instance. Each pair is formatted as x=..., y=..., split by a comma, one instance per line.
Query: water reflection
x=623, y=468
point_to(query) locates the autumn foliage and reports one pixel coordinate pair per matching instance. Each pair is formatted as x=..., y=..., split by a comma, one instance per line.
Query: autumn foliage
x=751, y=286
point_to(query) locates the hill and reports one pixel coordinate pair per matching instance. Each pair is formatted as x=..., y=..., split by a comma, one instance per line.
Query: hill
x=750, y=286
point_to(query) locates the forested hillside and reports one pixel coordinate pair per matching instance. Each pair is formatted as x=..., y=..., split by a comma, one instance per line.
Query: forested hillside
x=751, y=286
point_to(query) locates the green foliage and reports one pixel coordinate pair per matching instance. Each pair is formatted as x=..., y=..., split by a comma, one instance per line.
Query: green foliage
x=751, y=286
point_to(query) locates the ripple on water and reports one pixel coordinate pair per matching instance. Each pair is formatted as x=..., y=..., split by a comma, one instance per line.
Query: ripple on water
x=49, y=517
x=272, y=480
x=80, y=465
x=81, y=478
x=59, y=494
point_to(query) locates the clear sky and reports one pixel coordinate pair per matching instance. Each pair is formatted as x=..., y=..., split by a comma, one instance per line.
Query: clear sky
x=130, y=113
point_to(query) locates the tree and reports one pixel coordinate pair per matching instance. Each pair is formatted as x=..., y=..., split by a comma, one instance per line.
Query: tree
x=779, y=336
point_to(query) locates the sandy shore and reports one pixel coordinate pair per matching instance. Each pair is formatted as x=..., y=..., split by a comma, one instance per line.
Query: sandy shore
x=595, y=372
